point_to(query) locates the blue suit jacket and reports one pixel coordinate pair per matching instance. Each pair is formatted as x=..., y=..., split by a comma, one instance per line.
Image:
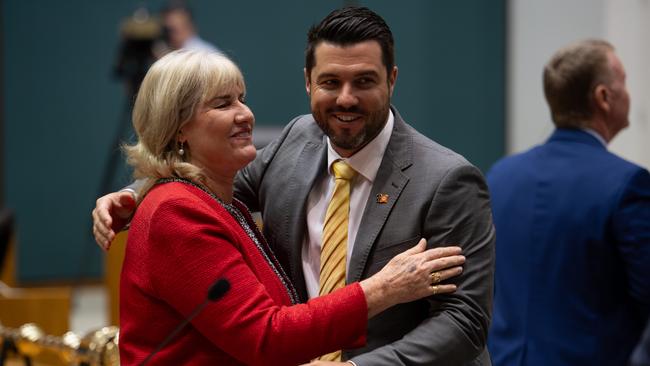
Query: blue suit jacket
x=572, y=254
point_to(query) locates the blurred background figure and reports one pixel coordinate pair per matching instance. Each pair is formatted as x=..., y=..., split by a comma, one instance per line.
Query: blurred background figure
x=179, y=30
x=145, y=38
x=572, y=282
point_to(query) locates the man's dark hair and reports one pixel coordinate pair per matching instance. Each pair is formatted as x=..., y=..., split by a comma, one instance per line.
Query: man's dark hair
x=348, y=26
x=570, y=78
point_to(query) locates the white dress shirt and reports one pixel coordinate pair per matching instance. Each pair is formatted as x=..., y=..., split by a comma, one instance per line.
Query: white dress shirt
x=366, y=163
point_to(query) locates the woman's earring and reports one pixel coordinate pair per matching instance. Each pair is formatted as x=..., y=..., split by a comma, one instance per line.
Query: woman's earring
x=181, y=151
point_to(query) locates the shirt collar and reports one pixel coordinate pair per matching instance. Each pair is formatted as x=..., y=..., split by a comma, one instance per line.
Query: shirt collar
x=367, y=160
x=596, y=135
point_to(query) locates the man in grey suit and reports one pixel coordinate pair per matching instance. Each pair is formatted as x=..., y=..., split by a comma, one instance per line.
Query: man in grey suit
x=407, y=187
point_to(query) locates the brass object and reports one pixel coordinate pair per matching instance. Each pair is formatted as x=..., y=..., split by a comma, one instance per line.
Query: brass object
x=97, y=348
x=100, y=347
x=71, y=343
x=30, y=336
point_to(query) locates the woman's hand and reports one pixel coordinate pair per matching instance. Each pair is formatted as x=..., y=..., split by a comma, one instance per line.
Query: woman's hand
x=412, y=275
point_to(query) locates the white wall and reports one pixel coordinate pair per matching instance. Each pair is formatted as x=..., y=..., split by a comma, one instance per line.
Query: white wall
x=536, y=29
x=627, y=26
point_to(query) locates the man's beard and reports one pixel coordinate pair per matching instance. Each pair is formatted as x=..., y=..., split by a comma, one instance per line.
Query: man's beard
x=375, y=122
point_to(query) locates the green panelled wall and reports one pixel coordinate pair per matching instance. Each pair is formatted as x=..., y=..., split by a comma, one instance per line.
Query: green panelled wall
x=62, y=106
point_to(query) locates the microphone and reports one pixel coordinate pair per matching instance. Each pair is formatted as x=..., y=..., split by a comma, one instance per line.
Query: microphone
x=215, y=292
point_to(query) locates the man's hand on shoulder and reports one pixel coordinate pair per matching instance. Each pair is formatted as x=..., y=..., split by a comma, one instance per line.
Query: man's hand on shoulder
x=112, y=212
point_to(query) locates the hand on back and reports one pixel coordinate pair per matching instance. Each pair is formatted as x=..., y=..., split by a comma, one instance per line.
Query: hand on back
x=112, y=212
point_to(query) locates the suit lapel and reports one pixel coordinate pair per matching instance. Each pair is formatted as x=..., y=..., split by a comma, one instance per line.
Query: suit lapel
x=311, y=162
x=390, y=180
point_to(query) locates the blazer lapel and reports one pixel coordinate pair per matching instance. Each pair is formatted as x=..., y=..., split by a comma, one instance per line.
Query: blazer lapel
x=390, y=180
x=311, y=161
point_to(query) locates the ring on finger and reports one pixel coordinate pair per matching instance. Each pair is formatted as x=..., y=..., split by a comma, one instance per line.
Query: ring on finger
x=436, y=277
x=434, y=288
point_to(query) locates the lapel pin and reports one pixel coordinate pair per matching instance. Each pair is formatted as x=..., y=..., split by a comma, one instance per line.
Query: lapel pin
x=382, y=198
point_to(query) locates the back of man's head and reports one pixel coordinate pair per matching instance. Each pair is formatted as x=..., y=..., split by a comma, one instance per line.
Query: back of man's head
x=570, y=78
x=348, y=26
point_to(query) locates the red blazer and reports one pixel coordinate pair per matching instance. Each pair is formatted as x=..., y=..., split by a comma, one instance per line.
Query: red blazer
x=180, y=241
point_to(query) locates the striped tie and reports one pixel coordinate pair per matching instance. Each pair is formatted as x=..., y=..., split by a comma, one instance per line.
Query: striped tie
x=334, y=248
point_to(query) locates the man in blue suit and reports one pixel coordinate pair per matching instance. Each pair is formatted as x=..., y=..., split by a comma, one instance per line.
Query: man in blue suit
x=573, y=226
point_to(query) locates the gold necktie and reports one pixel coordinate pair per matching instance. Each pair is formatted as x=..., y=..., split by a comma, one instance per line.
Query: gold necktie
x=334, y=248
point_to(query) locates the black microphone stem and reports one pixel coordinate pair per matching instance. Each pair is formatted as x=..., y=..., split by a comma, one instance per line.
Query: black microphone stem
x=176, y=331
x=215, y=292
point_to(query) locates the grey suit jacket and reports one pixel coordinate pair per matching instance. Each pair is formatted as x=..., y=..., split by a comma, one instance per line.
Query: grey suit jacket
x=433, y=193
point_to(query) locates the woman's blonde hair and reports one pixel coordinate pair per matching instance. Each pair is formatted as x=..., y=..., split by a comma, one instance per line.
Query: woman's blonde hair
x=170, y=95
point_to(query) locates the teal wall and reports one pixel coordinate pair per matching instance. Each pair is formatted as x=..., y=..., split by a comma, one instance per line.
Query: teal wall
x=62, y=107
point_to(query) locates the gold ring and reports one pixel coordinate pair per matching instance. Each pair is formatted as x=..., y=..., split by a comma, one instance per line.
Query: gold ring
x=436, y=277
x=434, y=288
